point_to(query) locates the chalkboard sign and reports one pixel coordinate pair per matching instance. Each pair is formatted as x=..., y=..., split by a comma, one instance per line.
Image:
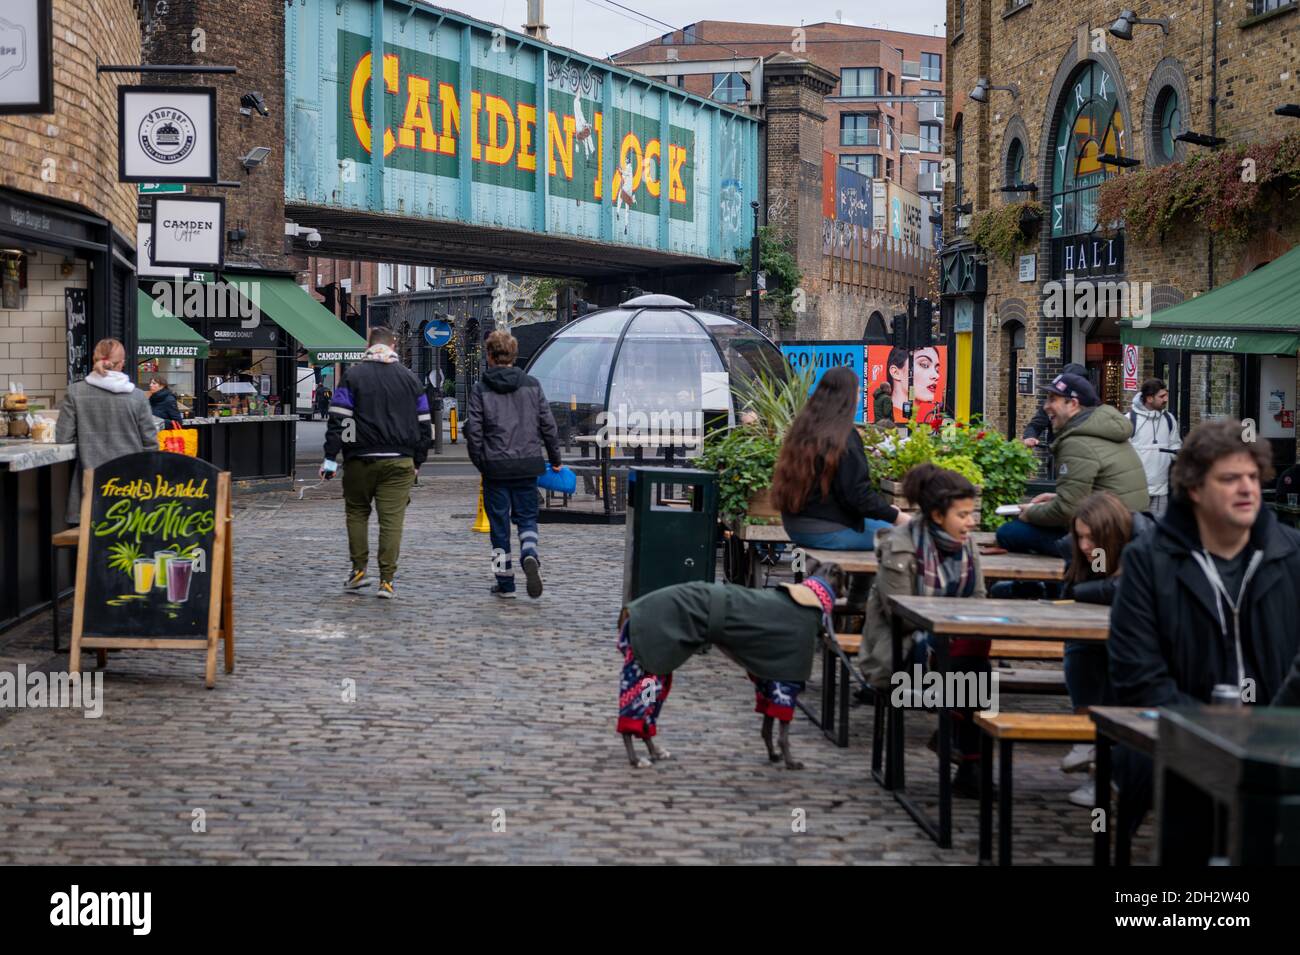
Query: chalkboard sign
x=74, y=304
x=153, y=564
x=1024, y=381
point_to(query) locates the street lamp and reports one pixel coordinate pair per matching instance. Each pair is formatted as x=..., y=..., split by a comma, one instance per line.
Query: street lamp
x=754, y=254
x=980, y=94
x=1122, y=29
x=1200, y=139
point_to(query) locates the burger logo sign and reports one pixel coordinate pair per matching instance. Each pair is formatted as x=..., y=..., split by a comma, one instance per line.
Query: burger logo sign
x=167, y=135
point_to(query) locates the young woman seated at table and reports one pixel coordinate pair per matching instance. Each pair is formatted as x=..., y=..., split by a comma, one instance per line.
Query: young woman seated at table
x=934, y=556
x=1101, y=529
x=822, y=483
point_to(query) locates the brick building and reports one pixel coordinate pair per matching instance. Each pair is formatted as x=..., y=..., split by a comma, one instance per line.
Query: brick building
x=67, y=226
x=897, y=141
x=1087, y=103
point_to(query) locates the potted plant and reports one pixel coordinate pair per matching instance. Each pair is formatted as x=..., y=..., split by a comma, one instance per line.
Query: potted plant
x=745, y=455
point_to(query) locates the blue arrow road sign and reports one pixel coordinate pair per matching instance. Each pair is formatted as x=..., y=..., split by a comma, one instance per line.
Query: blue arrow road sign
x=437, y=333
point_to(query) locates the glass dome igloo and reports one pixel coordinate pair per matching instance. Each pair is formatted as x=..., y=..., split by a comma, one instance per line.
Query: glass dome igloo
x=648, y=364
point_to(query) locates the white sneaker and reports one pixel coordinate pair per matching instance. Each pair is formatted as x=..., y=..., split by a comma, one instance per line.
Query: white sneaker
x=1080, y=756
x=1085, y=795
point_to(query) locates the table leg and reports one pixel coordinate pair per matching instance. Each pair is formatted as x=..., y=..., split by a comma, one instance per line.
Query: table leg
x=842, y=737
x=894, y=771
x=986, y=799
x=54, y=594
x=1004, y=802
x=828, y=692
x=1101, y=838
x=945, y=749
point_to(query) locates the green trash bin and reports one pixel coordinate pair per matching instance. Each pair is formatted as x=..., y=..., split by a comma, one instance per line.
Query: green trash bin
x=672, y=520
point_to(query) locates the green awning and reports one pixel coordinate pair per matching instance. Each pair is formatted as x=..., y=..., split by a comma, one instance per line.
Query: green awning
x=325, y=338
x=160, y=334
x=1257, y=314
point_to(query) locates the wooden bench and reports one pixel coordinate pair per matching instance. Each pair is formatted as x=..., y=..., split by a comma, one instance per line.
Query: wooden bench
x=1009, y=729
x=1026, y=650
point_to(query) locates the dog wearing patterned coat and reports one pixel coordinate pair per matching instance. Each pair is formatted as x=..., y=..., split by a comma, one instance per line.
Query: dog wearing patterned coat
x=771, y=634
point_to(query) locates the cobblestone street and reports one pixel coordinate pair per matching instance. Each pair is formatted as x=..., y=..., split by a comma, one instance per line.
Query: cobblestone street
x=467, y=711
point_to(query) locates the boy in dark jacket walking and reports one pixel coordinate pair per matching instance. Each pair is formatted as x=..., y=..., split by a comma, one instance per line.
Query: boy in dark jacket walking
x=1208, y=598
x=379, y=419
x=511, y=435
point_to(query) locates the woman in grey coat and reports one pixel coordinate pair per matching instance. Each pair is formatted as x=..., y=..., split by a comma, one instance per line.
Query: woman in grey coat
x=105, y=416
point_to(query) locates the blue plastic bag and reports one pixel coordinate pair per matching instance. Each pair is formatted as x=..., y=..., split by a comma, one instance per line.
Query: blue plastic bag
x=563, y=481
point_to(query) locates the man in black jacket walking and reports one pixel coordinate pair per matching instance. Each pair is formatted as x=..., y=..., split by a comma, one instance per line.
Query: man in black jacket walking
x=1209, y=598
x=379, y=418
x=512, y=436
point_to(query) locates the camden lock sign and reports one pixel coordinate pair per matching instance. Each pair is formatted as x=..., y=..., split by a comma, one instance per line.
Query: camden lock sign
x=1088, y=256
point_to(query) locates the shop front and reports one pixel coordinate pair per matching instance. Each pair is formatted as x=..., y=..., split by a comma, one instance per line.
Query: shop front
x=65, y=275
x=239, y=386
x=1231, y=353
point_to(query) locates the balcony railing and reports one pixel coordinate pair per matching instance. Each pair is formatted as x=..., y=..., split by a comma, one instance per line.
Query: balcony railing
x=911, y=69
x=859, y=137
x=909, y=142
x=930, y=112
x=929, y=182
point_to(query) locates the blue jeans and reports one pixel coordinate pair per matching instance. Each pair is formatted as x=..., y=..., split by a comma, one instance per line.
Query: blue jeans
x=845, y=539
x=1087, y=674
x=517, y=501
x=1021, y=537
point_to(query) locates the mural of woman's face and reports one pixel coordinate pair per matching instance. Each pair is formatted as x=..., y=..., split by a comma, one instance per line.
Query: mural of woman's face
x=925, y=373
x=898, y=380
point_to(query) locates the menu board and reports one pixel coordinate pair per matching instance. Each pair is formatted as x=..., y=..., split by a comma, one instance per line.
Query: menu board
x=153, y=565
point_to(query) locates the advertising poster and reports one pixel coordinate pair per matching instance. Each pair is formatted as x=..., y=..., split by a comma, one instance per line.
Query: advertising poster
x=888, y=365
x=825, y=355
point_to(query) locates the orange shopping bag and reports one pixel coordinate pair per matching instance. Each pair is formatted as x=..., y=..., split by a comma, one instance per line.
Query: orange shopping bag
x=179, y=440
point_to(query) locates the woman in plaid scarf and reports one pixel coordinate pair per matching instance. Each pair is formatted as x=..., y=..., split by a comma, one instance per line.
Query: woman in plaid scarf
x=933, y=556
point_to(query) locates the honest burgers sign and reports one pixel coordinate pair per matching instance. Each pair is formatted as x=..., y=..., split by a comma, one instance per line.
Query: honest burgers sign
x=189, y=232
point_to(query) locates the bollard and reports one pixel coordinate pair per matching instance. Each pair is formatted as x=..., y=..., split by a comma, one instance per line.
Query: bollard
x=451, y=424
x=481, y=521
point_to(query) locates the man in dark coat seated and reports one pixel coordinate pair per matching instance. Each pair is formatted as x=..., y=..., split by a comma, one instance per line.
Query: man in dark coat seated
x=1210, y=597
x=771, y=633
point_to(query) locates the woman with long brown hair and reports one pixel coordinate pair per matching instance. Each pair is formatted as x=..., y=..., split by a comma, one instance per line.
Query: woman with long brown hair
x=822, y=483
x=1101, y=529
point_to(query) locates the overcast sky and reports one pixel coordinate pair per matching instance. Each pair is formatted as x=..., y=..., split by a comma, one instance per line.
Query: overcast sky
x=601, y=27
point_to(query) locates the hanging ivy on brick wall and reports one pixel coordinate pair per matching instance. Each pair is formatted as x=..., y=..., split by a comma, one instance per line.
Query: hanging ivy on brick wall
x=1224, y=191
x=1007, y=231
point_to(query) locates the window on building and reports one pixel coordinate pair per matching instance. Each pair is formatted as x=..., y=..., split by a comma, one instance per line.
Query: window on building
x=1168, y=123
x=385, y=279
x=1088, y=124
x=1015, y=4
x=929, y=177
x=1264, y=6
x=859, y=129
x=403, y=278
x=860, y=81
x=668, y=39
x=958, y=160
x=421, y=277
x=889, y=133
x=931, y=67
x=889, y=168
x=867, y=165
x=889, y=82
x=1015, y=163
x=688, y=33
x=931, y=138
x=961, y=16
x=729, y=88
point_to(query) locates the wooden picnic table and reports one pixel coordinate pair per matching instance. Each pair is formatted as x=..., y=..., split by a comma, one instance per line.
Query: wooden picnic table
x=971, y=617
x=1136, y=727
x=995, y=566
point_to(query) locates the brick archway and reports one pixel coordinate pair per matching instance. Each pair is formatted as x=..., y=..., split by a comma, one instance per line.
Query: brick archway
x=1262, y=249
